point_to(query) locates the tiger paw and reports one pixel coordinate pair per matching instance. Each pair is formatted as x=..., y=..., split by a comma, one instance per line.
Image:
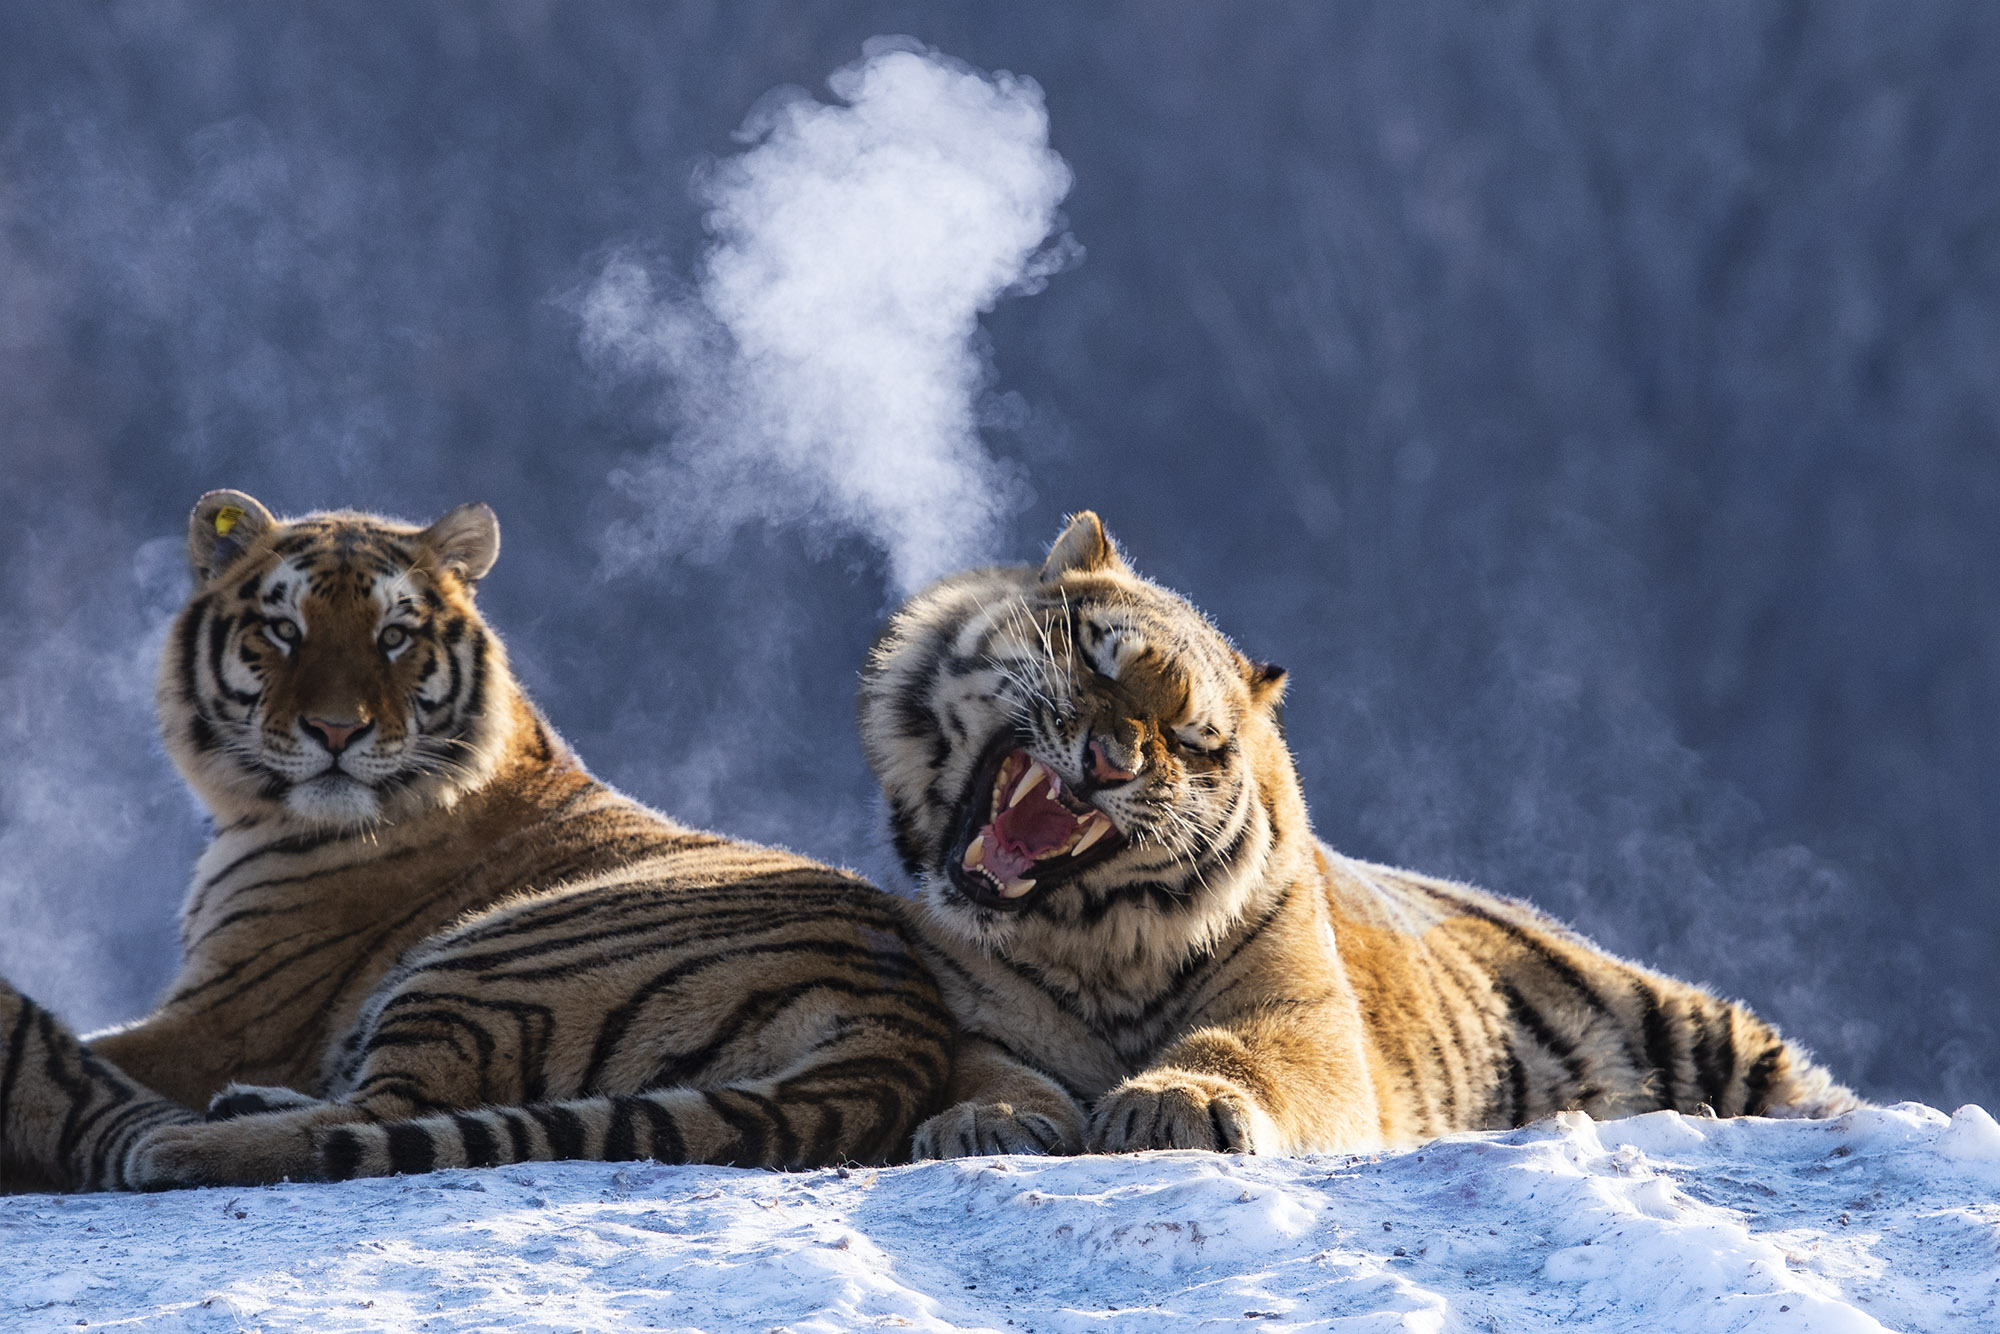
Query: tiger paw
x=1178, y=1109
x=220, y=1153
x=972, y=1129
x=177, y=1156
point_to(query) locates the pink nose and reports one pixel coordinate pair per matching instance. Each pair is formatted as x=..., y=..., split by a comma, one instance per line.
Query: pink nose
x=1103, y=770
x=334, y=736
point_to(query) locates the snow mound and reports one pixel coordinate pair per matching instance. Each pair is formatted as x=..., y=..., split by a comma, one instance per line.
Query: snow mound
x=1884, y=1218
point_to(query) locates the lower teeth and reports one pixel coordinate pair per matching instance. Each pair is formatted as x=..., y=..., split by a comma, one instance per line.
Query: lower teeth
x=1014, y=889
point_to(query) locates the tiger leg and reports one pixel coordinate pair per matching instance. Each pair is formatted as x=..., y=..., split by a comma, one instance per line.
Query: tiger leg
x=1280, y=1081
x=252, y=1149
x=256, y=1135
x=762, y=1123
x=420, y=1051
x=68, y=1117
x=854, y=1099
x=999, y=1105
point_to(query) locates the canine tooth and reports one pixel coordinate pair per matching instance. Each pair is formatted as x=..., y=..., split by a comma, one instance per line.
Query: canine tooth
x=1092, y=831
x=1014, y=889
x=1029, y=782
x=975, y=852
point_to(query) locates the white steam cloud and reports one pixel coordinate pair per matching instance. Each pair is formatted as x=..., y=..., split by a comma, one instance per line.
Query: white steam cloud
x=826, y=368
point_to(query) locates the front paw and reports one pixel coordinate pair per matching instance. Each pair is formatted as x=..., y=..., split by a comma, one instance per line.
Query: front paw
x=1179, y=1109
x=177, y=1156
x=246, y=1151
x=970, y=1129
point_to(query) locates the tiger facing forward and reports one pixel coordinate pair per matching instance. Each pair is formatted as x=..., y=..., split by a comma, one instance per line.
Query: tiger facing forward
x=424, y=936
x=1146, y=947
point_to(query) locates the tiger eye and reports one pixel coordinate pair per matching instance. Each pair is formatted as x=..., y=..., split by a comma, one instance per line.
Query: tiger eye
x=393, y=637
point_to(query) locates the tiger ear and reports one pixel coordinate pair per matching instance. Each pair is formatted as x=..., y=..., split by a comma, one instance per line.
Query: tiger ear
x=1267, y=683
x=1083, y=548
x=221, y=528
x=466, y=540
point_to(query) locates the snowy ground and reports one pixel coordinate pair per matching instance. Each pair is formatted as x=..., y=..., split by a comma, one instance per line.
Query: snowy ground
x=1885, y=1218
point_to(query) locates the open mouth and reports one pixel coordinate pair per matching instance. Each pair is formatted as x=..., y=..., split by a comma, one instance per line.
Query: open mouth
x=1023, y=829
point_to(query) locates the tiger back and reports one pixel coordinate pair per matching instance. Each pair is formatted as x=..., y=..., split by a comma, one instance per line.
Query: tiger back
x=1146, y=946
x=424, y=935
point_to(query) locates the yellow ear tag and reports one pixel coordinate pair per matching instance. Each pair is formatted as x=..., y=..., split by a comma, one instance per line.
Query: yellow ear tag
x=226, y=518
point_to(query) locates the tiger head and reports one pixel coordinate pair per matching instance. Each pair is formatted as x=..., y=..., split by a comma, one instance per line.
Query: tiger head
x=333, y=669
x=1075, y=760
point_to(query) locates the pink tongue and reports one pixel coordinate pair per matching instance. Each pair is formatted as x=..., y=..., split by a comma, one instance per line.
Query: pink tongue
x=1022, y=833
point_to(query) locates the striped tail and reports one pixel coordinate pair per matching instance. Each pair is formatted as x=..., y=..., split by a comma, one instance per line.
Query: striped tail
x=68, y=1117
x=767, y=1123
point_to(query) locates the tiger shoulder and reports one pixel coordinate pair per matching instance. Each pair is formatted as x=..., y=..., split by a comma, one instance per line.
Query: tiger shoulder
x=1122, y=897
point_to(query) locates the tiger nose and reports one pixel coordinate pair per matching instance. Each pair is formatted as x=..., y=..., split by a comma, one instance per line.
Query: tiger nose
x=332, y=734
x=1103, y=770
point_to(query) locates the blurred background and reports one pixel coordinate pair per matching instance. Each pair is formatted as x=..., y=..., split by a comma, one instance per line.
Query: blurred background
x=1594, y=407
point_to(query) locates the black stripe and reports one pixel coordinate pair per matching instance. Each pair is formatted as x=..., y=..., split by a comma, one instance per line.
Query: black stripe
x=1471, y=987
x=1214, y=965
x=290, y=846
x=1707, y=1080
x=340, y=1154
x=1517, y=1086
x=219, y=629
x=298, y=956
x=832, y=1133
x=189, y=641
x=563, y=1127
x=759, y=1010
x=750, y=1136
x=621, y=1140
x=780, y=1128
x=57, y=1044
x=516, y=1121
x=475, y=697
x=410, y=1147
x=1543, y=951
x=525, y=938
x=1526, y=1017
x=189, y=947
x=17, y=1047
x=480, y=1148
x=1757, y=1084
x=611, y=1033
x=1659, y=1040
x=1726, y=1057
x=1156, y=896
x=668, y=1145
x=373, y=860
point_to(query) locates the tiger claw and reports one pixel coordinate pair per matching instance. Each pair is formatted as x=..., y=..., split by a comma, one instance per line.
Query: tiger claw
x=970, y=1130
x=1177, y=1110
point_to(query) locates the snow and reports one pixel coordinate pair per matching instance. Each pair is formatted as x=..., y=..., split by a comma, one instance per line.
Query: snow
x=1887, y=1218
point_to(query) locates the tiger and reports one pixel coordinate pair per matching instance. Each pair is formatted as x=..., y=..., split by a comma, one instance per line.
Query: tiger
x=424, y=935
x=1145, y=946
